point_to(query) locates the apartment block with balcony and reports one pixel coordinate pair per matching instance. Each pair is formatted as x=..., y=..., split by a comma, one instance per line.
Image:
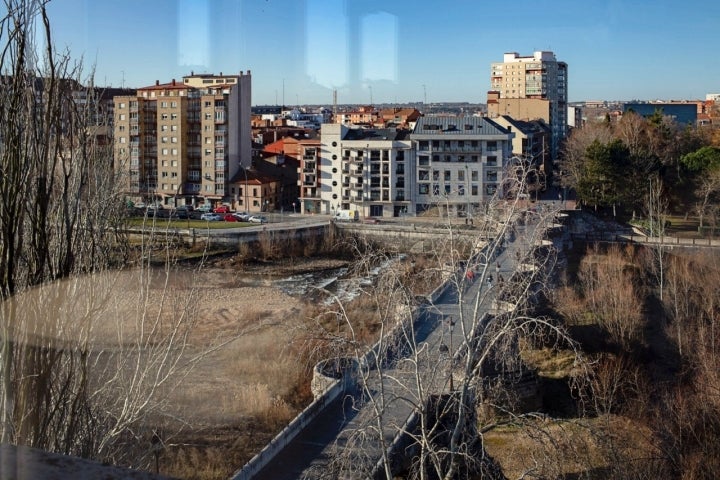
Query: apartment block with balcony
x=529, y=88
x=460, y=163
x=368, y=170
x=181, y=143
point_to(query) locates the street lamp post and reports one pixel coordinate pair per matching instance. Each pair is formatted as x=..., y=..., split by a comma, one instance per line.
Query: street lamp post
x=451, y=324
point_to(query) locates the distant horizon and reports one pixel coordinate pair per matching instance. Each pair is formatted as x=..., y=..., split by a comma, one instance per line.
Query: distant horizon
x=375, y=51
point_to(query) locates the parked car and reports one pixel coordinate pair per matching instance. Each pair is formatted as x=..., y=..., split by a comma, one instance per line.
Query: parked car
x=229, y=217
x=187, y=208
x=241, y=216
x=257, y=219
x=205, y=208
x=211, y=217
x=222, y=209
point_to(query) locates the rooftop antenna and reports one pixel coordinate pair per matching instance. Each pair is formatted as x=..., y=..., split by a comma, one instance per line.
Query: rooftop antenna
x=334, y=104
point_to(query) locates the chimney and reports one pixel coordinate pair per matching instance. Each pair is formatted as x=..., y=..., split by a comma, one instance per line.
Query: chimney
x=157, y=82
x=173, y=82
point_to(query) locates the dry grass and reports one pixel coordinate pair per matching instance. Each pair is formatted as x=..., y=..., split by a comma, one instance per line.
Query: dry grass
x=551, y=363
x=587, y=448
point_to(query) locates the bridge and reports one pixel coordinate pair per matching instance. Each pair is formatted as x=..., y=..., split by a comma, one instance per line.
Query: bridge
x=354, y=429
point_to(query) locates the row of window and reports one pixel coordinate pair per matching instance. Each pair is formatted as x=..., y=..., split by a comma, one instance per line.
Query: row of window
x=424, y=175
x=424, y=189
x=455, y=144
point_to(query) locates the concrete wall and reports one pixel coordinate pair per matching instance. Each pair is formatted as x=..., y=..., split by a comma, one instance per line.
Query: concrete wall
x=282, y=439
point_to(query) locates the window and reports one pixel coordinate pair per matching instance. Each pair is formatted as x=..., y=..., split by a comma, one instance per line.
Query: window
x=173, y=174
x=122, y=116
x=173, y=104
x=163, y=104
x=174, y=139
x=173, y=128
x=164, y=151
x=121, y=105
x=461, y=175
x=492, y=145
x=164, y=116
x=423, y=189
x=121, y=128
x=490, y=189
x=163, y=174
x=122, y=140
x=164, y=128
x=461, y=190
x=208, y=140
x=474, y=175
x=447, y=189
x=492, y=160
x=174, y=163
x=446, y=175
x=473, y=190
x=208, y=152
x=423, y=160
x=436, y=175
x=174, y=116
x=208, y=116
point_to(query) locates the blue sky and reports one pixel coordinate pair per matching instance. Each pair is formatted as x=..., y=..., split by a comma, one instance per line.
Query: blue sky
x=397, y=50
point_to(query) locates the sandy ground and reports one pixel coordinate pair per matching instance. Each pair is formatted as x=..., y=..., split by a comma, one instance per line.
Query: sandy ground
x=229, y=306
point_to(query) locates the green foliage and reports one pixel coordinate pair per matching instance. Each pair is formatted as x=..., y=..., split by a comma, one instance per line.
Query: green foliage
x=702, y=160
x=604, y=175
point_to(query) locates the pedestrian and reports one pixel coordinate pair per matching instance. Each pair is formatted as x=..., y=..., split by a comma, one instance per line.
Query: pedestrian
x=490, y=280
x=497, y=268
x=470, y=275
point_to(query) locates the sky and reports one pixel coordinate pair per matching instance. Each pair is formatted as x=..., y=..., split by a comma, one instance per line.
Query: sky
x=396, y=51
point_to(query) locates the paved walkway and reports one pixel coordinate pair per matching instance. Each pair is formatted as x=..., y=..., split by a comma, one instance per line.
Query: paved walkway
x=347, y=432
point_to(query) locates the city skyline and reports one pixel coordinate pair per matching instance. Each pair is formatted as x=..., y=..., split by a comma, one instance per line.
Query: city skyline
x=394, y=52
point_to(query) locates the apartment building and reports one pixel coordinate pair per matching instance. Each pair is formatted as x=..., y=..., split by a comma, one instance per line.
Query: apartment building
x=531, y=87
x=368, y=170
x=530, y=151
x=181, y=142
x=460, y=163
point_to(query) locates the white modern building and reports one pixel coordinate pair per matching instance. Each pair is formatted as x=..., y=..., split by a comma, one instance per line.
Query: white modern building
x=368, y=170
x=461, y=163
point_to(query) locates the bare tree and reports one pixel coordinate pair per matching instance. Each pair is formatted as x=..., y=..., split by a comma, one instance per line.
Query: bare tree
x=89, y=355
x=435, y=365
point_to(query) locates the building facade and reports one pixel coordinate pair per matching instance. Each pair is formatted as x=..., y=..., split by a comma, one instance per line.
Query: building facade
x=446, y=165
x=461, y=163
x=181, y=142
x=531, y=87
x=368, y=170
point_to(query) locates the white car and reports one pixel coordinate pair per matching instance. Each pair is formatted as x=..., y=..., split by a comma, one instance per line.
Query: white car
x=211, y=217
x=257, y=219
